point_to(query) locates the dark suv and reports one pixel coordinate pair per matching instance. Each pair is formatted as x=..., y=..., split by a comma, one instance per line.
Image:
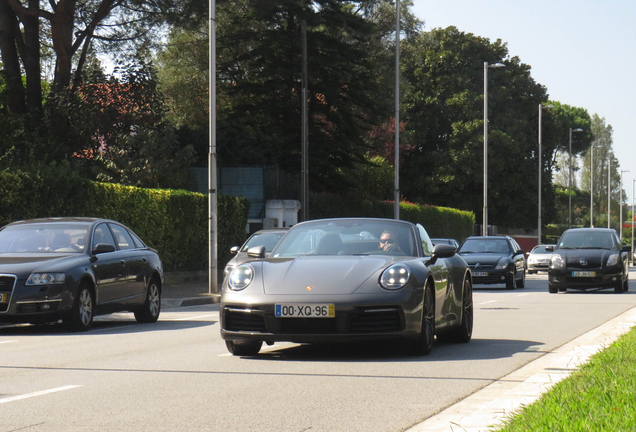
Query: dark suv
x=588, y=259
x=495, y=260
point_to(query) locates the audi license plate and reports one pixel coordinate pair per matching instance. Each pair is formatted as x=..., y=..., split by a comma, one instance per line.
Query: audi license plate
x=480, y=274
x=583, y=274
x=3, y=298
x=305, y=310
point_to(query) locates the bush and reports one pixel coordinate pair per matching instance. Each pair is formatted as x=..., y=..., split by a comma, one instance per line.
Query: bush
x=438, y=221
x=175, y=222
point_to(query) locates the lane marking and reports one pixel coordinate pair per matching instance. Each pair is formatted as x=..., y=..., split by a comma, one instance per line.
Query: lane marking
x=490, y=301
x=39, y=393
x=1, y=342
x=266, y=348
x=524, y=294
x=196, y=317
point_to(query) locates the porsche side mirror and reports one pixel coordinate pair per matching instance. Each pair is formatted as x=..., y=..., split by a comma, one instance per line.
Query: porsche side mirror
x=549, y=248
x=234, y=250
x=256, y=252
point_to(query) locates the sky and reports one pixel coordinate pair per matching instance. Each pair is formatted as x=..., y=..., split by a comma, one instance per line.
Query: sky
x=582, y=51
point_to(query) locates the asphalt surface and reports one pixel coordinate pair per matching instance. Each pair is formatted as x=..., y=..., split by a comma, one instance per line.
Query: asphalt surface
x=485, y=408
x=187, y=289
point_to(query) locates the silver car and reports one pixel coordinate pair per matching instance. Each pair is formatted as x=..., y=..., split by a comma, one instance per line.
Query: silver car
x=265, y=237
x=539, y=259
x=346, y=280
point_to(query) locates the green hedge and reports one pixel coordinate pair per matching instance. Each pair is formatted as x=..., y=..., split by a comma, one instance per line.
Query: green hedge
x=174, y=222
x=438, y=221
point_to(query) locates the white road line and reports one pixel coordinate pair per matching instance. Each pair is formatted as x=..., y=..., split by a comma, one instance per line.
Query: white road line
x=1, y=342
x=490, y=301
x=524, y=294
x=264, y=349
x=39, y=393
x=216, y=315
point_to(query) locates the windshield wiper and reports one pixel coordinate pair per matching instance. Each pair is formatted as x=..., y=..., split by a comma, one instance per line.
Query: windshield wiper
x=594, y=247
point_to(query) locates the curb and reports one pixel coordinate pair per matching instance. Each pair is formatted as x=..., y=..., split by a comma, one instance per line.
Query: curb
x=492, y=405
x=192, y=301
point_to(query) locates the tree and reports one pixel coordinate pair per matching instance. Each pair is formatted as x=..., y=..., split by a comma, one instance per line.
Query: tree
x=604, y=160
x=72, y=28
x=259, y=60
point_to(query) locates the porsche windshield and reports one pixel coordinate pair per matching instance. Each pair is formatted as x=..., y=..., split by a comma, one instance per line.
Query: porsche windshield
x=44, y=238
x=348, y=237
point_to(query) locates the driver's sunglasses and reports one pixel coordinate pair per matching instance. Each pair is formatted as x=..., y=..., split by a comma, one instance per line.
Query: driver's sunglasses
x=389, y=241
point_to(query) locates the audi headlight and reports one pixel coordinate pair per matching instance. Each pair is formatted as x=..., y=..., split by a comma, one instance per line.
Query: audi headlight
x=557, y=262
x=241, y=277
x=45, y=278
x=612, y=260
x=395, y=276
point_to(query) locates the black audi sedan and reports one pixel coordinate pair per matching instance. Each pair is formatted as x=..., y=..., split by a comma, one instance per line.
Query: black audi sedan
x=75, y=268
x=495, y=260
x=588, y=259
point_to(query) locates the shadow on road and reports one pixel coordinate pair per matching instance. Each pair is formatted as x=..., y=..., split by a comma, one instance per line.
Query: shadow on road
x=103, y=326
x=477, y=349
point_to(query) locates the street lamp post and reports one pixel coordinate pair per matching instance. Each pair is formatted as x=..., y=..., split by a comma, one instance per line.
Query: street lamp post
x=484, y=229
x=570, y=178
x=609, y=189
x=396, y=191
x=620, y=217
x=212, y=175
x=541, y=107
x=633, y=202
x=592, y=187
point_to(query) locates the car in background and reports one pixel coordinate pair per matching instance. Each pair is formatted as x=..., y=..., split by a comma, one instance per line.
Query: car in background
x=448, y=241
x=589, y=259
x=265, y=237
x=347, y=280
x=539, y=259
x=75, y=268
x=495, y=260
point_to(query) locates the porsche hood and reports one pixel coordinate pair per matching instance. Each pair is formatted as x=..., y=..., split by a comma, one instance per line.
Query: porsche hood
x=335, y=275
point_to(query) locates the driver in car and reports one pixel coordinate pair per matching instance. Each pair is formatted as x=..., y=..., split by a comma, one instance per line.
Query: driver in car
x=388, y=242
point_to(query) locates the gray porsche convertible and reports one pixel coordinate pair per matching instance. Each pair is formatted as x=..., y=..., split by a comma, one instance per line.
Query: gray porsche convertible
x=348, y=280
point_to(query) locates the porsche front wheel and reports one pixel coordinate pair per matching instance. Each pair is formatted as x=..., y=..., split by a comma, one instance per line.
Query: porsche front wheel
x=249, y=348
x=424, y=343
x=465, y=331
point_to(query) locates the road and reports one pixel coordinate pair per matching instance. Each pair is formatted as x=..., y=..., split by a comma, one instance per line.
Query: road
x=176, y=375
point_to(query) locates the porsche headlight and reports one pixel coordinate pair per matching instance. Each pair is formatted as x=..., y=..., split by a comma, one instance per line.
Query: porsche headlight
x=612, y=260
x=557, y=262
x=241, y=277
x=45, y=278
x=228, y=269
x=395, y=276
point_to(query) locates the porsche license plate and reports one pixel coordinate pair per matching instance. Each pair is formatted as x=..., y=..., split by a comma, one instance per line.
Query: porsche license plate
x=305, y=310
x=3, y=298
x=583, y=274
x=480, y=274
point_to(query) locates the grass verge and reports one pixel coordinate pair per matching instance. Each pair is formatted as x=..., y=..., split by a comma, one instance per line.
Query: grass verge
x=599, y=396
